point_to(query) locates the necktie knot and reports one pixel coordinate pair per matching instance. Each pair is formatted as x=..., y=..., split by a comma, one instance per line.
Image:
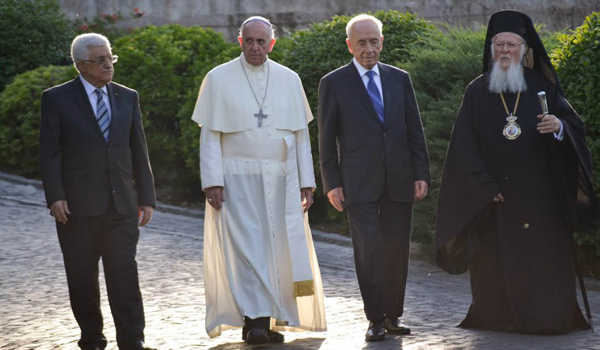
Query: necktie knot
x=370, y=74
x=99, y=92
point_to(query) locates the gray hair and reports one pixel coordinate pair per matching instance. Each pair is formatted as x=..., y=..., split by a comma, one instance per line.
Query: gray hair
x=360, y=18
x=258, y=19
x=79, y=47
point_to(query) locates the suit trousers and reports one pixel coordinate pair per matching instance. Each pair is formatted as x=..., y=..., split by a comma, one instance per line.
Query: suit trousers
x=112, y=237
x=380, y=233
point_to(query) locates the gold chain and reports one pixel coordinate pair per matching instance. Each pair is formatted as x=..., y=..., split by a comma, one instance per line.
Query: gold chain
x=516, y=104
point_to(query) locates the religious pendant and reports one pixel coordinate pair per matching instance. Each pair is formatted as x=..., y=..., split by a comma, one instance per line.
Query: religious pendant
x=260, y=117
x=512, y=130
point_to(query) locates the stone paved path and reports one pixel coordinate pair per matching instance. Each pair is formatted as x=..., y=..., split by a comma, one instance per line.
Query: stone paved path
x=35, y=313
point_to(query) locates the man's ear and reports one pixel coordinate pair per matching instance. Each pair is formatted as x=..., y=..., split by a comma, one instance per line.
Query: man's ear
x=80, y=67
x=241, y=42
x=271, y=44
x=349, y=45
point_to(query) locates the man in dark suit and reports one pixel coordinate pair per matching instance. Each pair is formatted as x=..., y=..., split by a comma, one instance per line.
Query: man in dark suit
x=374, y=163
x=98, y=184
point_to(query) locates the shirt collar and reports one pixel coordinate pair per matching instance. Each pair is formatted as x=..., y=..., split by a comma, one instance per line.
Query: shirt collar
x=89, y=88
x=362, y=70
x=251, y=67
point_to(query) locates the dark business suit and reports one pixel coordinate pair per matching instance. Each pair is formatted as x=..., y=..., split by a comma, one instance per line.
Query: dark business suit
x=104, y=183
x=377, y=164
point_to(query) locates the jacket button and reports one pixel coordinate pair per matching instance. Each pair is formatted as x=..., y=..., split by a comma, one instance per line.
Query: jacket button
x=526, y=226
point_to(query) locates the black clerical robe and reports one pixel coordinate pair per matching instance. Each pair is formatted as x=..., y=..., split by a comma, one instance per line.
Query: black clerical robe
x=520, y=252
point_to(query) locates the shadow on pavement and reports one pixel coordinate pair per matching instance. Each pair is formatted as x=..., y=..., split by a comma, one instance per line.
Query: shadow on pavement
x=390, y=342
x=306, y=343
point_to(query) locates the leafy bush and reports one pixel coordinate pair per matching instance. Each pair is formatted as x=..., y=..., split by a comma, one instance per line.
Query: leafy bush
x=316, y=51
x=440, y=71
x=163, y=64
x=20, y=117
x=577, y=64
x=34, y=33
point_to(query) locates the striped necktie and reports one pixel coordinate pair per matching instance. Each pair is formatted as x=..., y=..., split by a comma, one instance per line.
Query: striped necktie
x=375, y=95
x=102, y=114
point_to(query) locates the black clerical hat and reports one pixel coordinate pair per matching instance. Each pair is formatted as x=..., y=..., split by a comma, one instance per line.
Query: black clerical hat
x=519, y=23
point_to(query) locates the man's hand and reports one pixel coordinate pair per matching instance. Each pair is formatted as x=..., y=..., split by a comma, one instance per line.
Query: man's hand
x=421, y=188
x=214, y=197
x=60, y=210
x=498, y=198
x=336, y=198
x=145, y=215
x=306, y=195
x=548, y=124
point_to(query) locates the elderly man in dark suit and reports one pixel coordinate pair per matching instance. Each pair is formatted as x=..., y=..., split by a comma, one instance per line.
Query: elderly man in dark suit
x=374, y=163
x=98, y=184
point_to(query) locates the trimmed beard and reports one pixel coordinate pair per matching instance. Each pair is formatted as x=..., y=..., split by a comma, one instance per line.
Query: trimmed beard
x=510, y=80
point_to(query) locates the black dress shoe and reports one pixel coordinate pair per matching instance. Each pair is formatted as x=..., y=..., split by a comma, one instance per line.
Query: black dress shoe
x=376, y=331
x=274, y=337
x=257, y=336
x=394, y=326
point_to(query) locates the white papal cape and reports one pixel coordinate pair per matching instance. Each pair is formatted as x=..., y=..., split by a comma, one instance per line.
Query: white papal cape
x=259, y=258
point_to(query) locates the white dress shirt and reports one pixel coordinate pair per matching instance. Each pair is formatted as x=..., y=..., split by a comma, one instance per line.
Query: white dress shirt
x=365, y=78
x=90, y=90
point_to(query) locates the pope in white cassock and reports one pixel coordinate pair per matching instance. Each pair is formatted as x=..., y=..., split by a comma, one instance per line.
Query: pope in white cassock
x=260, y=267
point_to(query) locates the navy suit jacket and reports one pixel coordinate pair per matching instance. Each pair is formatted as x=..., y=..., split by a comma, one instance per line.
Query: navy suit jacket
x=360, y=153
x=78, y=165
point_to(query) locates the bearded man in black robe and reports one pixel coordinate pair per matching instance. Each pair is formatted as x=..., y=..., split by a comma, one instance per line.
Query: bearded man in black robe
x=516, y=185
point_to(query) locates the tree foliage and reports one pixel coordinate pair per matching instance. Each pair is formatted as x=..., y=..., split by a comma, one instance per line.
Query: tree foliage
x=20, y=117
x=164, y=64
x=34, y=33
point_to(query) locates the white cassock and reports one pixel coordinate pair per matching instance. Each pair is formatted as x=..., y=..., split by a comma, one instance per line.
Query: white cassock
x=259, y=258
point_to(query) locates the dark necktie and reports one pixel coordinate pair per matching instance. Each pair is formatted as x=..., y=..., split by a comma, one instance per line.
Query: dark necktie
x=375, y=95
x=102, y=114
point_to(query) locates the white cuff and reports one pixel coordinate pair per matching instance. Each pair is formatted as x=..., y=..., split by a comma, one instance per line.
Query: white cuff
x=561, y=134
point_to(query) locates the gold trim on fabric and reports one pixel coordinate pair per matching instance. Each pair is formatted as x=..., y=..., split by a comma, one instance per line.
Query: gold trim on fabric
x=304, y=288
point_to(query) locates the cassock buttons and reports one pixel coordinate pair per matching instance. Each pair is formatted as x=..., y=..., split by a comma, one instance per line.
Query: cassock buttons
x=526, y=226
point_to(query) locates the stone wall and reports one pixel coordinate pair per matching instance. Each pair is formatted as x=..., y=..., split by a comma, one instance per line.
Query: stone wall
x=226, y=15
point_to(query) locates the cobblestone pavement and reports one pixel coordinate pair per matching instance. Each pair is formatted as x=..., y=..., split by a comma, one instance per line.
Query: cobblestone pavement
x=35, y=312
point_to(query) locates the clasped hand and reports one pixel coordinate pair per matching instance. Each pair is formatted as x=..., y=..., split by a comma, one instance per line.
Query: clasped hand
x=548, y=124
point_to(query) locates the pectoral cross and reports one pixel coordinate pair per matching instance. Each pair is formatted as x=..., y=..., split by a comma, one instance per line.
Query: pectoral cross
x=260, y=117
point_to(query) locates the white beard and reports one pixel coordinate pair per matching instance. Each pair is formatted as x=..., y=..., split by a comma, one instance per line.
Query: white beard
x=510, y=80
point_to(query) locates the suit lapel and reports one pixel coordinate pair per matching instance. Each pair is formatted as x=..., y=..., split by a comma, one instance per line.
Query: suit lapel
x=386, y=86
x=88, y=111
x=357, y=85
x=114, y=110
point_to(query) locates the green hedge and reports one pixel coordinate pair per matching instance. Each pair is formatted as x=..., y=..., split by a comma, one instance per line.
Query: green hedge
x=20, y=117
x=577, y=64
x=440, y=72
x=164, y=64
x=34, y=33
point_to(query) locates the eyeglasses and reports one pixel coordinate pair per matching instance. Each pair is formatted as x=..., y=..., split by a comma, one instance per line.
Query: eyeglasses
x=510, y=45
x=103, y=60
